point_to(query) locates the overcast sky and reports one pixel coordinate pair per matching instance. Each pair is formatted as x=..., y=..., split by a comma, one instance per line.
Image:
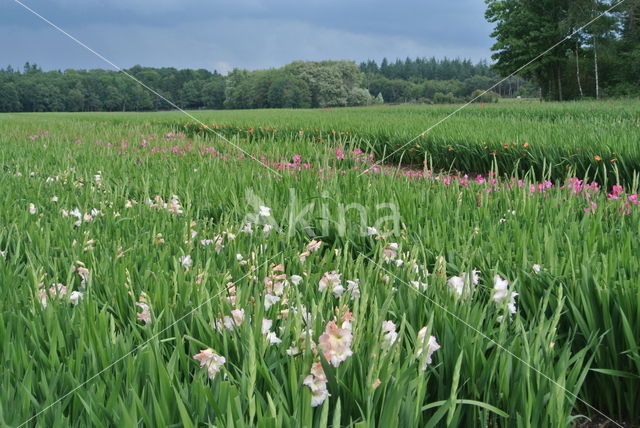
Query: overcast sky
x=224, y=34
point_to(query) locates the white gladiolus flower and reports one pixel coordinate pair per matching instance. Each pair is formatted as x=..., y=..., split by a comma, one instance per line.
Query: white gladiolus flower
x=270, y=300
x=353, y=287
x=501, y=293
x=430, y=346
x=464, y=282
x=273, y=339
x=265, y=211
x=389, y=334
x=186, y=261
x=266, y=326
x=75, y=297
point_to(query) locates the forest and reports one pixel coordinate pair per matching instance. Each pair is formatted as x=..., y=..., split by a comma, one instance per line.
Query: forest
x=296, y=85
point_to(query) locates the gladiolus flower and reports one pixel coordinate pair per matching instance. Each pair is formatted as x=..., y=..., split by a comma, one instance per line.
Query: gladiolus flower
x=270, y=300
x=186, y=261
x=332, y=280
x=501, y=293
x=55, y=291
x=317, y=382
x=211, y=361
x=390, y=252
x=145, y=315
x=238, y=316
x=75, y=297
x=353, y=287
x=430, y=347
x=335, y=343
x=464, y=282
x=389, y=335
x=264, y=211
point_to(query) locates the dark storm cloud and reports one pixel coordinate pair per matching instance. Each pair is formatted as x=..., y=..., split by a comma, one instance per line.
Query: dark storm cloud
x=240, y=33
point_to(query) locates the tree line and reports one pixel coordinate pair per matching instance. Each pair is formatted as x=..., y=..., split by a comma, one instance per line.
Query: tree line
x=601, y=59
x=432, y=80
x=33, y=90
x=296, y=85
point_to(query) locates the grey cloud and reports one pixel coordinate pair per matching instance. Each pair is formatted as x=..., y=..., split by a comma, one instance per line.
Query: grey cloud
x=242, y=33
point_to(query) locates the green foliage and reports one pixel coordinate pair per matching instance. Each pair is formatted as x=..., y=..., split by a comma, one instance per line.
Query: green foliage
x=481, y=96
x=359, y=97
x=575, y=332
x=289, y=91
x=525, y=29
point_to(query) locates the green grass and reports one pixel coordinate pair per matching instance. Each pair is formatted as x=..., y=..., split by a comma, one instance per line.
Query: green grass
x=575, y=332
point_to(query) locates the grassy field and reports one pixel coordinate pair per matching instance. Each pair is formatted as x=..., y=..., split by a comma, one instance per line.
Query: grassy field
x=154, y=275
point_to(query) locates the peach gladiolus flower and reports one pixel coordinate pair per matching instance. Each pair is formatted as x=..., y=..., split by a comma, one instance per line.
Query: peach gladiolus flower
x=317, y=382
x=210, y=360
x=335, y=343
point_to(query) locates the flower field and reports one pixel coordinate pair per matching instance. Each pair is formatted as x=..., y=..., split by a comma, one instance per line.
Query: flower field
x=153, y=274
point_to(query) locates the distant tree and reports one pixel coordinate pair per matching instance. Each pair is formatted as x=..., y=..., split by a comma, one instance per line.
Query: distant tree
x=192, y=94
x=213, y=92
x=289, y=91
x=525, y=28
x=359, y=97
x=10, y=99
x=329, y=81
x=74, y=100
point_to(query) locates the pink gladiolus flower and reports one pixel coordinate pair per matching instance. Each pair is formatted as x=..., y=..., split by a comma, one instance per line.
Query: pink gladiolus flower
x=210, y=360
x=592, y=208
x=390, y=252
x=317, y=382
x=615, y=192
x=335, y=343
x=55, y=291
x=238, y=316
x=83, y=272
x=145, y=315
x=331, y=280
